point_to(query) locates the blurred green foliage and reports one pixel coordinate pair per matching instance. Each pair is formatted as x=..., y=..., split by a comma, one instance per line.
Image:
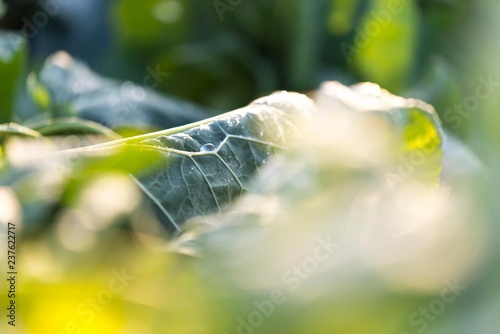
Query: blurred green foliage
x=263, y=46
x=94, y=258
x=294, y=45
x=12, y=62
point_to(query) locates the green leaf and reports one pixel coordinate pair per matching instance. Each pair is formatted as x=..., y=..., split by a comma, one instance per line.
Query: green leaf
x=72, y=126
x=338, y=171
x=38, y=93
x=206, y=165
x=12, y=56
x=77, y=91
x=418, y=128
x=423, y=137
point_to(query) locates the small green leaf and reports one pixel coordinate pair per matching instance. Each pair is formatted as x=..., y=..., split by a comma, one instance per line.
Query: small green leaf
x=38, y=92
x=72, y=126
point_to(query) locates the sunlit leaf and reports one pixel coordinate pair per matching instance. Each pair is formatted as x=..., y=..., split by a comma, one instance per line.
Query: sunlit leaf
x=38, y=92
x=206, y=165
x=417, y=124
